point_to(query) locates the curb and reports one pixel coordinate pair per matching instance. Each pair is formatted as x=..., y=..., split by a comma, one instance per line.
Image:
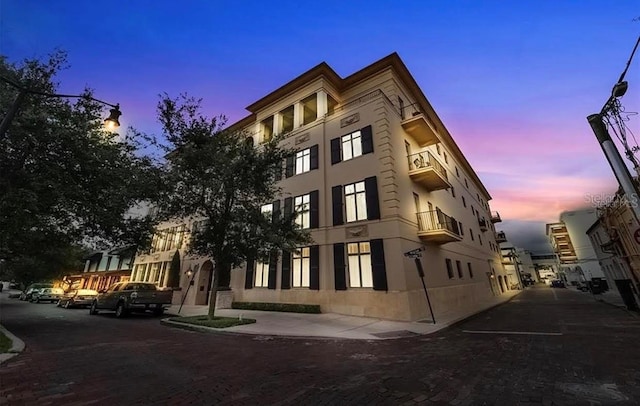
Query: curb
x=17, y=345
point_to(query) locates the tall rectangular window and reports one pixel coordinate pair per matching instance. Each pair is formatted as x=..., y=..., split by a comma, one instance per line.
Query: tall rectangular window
x=301, y=267
x=267, y=210
x=459, y=269
x=303, y=161
x=351, y=145
x=309, y=109
x=355, y=201
x=359, y=265
x=449, y=268
x=262, y=274
x=266, y=126
x=302, y=206
x=287, y=119
x=470, y=270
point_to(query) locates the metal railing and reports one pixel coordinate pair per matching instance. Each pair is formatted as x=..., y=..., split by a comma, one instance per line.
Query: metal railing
x=495, y=216
x=435, y=220
x=501, y=236
x=425, y=160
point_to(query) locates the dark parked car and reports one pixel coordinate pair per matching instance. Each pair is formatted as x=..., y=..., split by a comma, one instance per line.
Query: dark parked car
x=77, y=298
x=557, y=284
x=127, y=297
x=28, y=292
x=47, y=295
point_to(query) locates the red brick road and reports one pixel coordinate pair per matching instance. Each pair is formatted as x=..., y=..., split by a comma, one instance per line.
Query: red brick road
x=76, y=359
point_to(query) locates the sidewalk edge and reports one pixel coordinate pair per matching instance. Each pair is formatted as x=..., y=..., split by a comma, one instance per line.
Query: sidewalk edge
x=17, y=345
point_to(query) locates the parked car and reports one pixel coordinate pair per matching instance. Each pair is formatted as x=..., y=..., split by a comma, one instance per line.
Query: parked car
x=557, y=284
x=127, y=297
x=583, y=286
x=47, y=295
x=28, y=292
x=77, y=298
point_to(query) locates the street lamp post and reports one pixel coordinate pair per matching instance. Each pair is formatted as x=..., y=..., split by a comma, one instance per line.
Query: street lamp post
x=111, y=122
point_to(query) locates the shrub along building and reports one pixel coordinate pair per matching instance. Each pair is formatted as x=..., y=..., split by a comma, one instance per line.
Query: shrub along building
x=377, y=174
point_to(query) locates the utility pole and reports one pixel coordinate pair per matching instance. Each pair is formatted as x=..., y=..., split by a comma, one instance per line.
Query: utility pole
x=608, y=147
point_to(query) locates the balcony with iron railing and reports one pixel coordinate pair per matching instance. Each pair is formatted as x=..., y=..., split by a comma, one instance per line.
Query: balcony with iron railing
x=425, y=169
x=495, y=217
x=501, y=237
x=419, y=126
x=437, y=228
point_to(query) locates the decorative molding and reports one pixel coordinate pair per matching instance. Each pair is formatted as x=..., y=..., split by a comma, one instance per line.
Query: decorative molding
x=303, y=138
x=354, y=118
x=356, y=231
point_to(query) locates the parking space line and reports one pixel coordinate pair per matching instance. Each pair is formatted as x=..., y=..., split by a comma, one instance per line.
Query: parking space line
x=532, y=333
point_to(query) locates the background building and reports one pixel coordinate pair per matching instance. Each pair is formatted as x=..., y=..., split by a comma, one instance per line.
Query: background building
x=568, y=237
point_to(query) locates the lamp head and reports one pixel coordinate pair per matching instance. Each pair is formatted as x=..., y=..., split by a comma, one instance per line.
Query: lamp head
x=112, y=121
x=620, y=89
x=189, y=272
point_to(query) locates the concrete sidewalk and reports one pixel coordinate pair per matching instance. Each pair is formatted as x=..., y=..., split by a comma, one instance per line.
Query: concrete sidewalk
x=331, y=325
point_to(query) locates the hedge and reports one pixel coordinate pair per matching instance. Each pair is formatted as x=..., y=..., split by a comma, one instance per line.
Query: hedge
x=277, y=307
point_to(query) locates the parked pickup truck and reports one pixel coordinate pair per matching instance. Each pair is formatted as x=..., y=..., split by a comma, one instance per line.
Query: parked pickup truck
x=127, y=297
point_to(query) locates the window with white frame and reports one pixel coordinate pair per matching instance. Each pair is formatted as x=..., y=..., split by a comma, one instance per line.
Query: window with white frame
x=303, y=161
x=359, y=265
x=355, y=201
x=301, y=267
x=351, y=145
x=302, y=207
x=267, y=210
x=262, y=274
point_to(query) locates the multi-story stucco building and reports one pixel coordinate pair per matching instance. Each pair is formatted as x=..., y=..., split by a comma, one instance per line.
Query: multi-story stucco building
x=568, y=237
x=378, y=175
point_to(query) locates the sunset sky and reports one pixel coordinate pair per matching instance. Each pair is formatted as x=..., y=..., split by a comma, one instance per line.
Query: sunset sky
x=512, y=83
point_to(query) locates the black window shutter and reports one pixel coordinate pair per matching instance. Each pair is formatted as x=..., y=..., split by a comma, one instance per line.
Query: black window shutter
x=339, y=267
x=279, y=172
x=313, y=157
x=336, y=196
x=288, y=207
x=273, y=269
x=314, y=267
x=371, y=191
x=248, y=281
x=286, y=270
x=377, y=265
x=314, y=213
x=367, y=140
x=276, y=210
x=335, y=151
x=288, y=172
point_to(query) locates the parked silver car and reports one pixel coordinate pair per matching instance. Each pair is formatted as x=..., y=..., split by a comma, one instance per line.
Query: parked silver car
x=47, y=295
x=77, y=298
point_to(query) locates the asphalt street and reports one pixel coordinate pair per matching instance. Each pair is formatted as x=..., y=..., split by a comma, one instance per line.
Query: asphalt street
x=545, y=347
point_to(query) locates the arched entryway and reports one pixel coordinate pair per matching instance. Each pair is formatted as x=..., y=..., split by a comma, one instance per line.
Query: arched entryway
x=205, y=280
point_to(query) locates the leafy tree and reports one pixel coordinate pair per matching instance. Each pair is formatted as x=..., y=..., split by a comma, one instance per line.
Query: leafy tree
x=220, y=179
x=63, y=176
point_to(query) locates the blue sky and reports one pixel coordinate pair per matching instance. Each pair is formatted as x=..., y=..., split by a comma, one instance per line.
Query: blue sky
x=513, y=83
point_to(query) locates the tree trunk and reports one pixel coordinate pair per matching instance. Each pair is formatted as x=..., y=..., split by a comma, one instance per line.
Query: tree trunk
x=214, y=291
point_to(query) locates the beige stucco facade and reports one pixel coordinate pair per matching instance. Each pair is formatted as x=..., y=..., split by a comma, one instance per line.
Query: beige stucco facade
x=413, y=164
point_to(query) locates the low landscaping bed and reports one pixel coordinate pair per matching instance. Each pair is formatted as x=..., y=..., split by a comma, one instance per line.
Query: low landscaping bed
x=5, y=343
x=277, y=307
x=217, y=322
